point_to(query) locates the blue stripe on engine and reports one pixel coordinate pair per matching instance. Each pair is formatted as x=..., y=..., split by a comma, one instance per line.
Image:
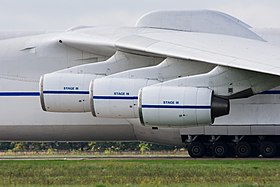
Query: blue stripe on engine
x=66, y=92
x=116, y=97
x=177, y=106
x=19, y=94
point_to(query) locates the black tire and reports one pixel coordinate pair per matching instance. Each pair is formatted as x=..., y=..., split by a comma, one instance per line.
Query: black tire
x=268, y=149
x=220, y=150
x=243, y=149
x=196, y=150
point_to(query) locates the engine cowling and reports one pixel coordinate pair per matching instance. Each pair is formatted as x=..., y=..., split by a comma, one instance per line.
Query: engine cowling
x=179, y=106
x=65, y=92
x=116, y=97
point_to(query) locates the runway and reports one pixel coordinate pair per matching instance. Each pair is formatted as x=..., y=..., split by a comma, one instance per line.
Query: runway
x=115, y=157
x=123, y=157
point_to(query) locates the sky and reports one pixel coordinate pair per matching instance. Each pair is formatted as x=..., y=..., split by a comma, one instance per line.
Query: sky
x=64, y=14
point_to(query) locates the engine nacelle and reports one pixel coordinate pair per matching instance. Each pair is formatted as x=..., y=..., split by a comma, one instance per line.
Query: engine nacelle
x=65, y=92
x=179, y=106
x=116, y=97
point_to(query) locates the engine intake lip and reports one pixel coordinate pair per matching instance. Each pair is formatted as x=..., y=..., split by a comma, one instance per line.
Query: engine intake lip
x=91, y=98
x=140, y=107
x=42, y=100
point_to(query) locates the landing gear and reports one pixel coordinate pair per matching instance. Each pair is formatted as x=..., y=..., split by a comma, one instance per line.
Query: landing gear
x=268, y=149
x=196, y=149
x=220, y=150
x=243, y=149
x=222, y=146
x=255, y=151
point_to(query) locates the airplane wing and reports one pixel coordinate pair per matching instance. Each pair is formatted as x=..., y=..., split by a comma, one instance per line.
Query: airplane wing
x=230, y=51
x=98, y=45
x=206, y=36
x=222, y=50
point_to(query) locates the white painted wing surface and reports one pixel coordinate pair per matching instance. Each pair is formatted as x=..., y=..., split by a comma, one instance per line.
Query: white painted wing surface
x=216, y=49
x=92, y=44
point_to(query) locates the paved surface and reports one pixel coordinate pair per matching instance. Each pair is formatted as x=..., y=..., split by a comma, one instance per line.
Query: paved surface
x=94, y=158
x=145, y=157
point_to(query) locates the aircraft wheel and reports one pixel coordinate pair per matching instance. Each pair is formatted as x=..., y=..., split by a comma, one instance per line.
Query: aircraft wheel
x=268, y=149
x=220, y=150
x=243, y=149
x=196, y=150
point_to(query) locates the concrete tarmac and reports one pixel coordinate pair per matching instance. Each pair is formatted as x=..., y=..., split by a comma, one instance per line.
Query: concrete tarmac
x=124, y=157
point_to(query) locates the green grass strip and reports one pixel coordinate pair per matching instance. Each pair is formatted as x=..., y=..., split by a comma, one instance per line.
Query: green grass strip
x=101, y=173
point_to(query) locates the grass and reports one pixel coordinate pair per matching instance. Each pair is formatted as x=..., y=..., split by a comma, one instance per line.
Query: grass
x=101, y=173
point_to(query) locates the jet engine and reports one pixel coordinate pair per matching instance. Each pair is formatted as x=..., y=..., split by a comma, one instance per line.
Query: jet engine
x=169, y=106
x=116, y=97
x=65, y=92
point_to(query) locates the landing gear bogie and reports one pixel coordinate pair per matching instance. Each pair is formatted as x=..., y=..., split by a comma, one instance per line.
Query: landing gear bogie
x=233, y=146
